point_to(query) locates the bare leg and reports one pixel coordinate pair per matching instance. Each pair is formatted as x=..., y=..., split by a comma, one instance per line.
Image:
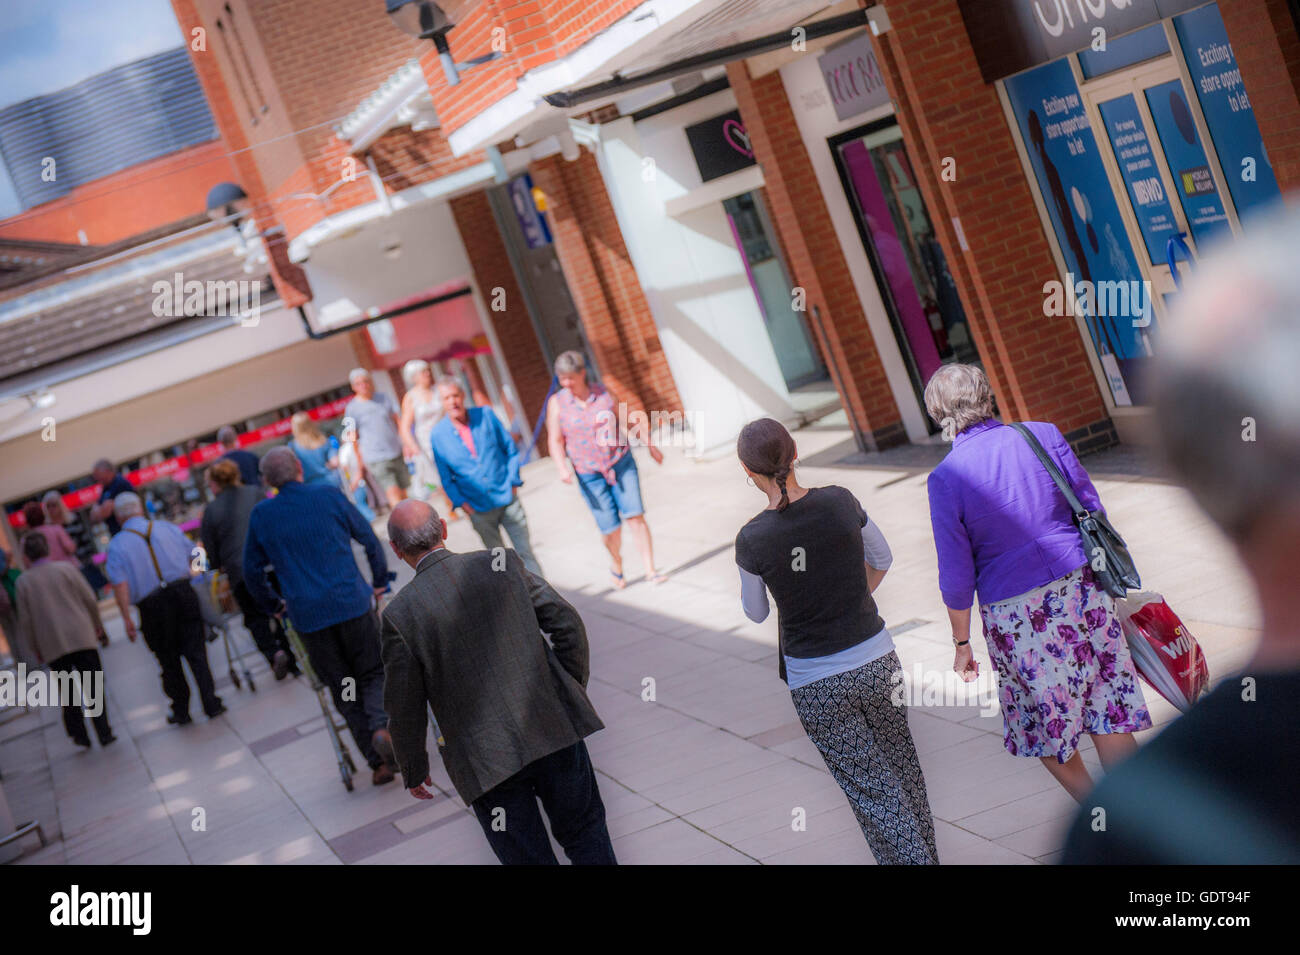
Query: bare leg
x=395, y=495
x=1073, y=775
x=641, y=533
x=614, y=544
x=1114, y=748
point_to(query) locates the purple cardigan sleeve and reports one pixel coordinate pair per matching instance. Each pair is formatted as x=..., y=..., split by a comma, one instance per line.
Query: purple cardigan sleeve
x=956, y=562
x=1074, y=472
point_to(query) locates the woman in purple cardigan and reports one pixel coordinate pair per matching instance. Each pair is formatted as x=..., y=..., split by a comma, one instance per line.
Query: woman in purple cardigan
x=1002, y=527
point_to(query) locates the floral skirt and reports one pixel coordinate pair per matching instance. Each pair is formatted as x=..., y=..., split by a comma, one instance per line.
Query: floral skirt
x=1063, y=666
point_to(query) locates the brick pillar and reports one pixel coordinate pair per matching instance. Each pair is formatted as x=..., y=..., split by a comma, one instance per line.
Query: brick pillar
x=520, y=349
x=813, y=252
x=615, y=314
x=1037, y=364
x=290, y=280
x=1266, y=42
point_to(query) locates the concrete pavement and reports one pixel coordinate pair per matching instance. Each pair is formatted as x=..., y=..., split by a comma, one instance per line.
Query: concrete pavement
x=714, y=769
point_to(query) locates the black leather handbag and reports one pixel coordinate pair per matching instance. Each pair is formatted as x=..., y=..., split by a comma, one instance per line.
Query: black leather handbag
x=1112, y=565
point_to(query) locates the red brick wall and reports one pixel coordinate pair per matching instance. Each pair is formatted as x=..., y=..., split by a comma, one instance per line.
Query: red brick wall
x=290, y=280
x=1037, y=364
x=127, y=203
x=1267, y=48
x=813, y=252
x=615, y=314
x=520, y=349
x=536, y=32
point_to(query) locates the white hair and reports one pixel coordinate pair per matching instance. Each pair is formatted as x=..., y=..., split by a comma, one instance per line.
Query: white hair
x=412, y=369
x=1227, y=389
x=127, y=504
x=960, y=394
x=356, y=373
x=570, y=362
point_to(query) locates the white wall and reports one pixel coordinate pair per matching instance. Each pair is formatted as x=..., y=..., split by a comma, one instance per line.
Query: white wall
x=815, y=116
x=709, y=322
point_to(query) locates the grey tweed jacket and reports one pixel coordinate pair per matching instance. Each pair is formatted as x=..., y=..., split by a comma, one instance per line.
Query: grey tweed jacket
x=467, y=640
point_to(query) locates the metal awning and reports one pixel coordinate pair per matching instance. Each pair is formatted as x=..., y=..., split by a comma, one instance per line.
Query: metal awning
x=733, y=31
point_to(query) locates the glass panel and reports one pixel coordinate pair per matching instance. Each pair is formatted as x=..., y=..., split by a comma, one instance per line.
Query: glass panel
x=795, y=355
x=926, y=263
x=1145, y=44
x=1188, y=167
x=1137, y=167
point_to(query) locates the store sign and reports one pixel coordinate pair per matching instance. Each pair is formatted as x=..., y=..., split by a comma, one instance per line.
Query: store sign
x=1216, y=79
x=720, y=145
x=1012, y=35
x=853, y=76
x=1085, y=216
x=531, y=223
x=1181, y=143
x=1137, y=167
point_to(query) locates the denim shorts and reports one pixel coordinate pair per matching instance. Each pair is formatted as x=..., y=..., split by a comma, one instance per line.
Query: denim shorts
x=610, y=503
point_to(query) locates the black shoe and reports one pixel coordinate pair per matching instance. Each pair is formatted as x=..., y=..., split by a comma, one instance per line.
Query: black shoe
x=221, y=708
x=383, y=744
x=180, y=719
x=83, y=743
x=110, y=738
x=282, y=664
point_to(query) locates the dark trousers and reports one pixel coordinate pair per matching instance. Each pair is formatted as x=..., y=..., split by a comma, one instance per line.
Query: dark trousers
x=566, y=785
x=350, y=650
x=266, y=630
x=172, y=624
x=86, y=663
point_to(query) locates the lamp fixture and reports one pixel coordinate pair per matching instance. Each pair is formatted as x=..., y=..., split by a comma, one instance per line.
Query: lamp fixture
x=426, y=20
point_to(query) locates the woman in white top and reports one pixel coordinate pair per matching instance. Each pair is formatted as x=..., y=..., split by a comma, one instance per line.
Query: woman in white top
x=421, y=410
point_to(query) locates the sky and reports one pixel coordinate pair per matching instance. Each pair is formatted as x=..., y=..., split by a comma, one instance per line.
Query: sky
x=46, y=45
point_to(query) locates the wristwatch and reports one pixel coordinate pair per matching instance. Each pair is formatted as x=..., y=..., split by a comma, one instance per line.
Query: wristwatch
x=962, y=643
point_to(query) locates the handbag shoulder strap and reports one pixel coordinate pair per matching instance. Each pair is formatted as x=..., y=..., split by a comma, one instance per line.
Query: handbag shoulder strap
x=1070, y=497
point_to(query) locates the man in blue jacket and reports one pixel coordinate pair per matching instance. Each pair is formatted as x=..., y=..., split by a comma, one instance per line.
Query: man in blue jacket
x=479, y=466
x=306, y=532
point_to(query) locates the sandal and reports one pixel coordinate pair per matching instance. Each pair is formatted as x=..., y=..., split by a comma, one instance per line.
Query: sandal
x=619, y=582
x=656, y=578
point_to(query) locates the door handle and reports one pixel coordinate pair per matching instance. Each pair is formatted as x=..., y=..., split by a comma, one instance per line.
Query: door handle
x=1175, y=243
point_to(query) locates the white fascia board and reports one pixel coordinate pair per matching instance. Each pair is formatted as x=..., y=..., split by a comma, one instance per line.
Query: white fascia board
x=597, y=57
x=443, y=187
x=382, y=110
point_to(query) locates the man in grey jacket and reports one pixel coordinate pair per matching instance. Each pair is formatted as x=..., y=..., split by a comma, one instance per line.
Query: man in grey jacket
x=465, y=637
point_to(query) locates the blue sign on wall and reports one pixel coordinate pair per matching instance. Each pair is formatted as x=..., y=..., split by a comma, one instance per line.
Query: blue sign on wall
x=1085, y=216
x=1137, y=166
x=1227, y=110
x=1193, y=180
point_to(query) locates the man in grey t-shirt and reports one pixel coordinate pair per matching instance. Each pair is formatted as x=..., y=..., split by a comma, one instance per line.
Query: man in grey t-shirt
x=375, y=418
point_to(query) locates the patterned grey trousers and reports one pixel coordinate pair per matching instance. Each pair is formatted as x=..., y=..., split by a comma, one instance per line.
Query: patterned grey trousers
x=864, y=739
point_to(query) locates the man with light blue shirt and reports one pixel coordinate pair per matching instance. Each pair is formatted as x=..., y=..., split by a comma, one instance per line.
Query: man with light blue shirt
x=148, y=565
x=479, y=466
x=375, y=418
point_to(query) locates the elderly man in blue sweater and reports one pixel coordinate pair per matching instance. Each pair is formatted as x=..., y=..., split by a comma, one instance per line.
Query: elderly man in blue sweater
x=306, y=532
x=479, y=466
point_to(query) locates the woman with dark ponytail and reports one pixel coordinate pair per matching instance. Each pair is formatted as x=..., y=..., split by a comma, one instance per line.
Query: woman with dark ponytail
x=821, y=558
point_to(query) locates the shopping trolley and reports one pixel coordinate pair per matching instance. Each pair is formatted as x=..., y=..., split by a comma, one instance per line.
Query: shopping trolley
x=347, y=768
x=219, y=625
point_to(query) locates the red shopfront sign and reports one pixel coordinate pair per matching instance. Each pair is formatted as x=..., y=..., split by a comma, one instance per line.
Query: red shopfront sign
x=87, y=496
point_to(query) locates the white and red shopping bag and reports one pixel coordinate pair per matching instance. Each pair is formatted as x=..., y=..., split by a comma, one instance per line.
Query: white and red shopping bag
x=1164, y=651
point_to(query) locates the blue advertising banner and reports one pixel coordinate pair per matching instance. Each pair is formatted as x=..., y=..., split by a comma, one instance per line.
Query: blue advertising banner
x=1086, y=218
x=1137, y=165
x=531, y=222
x=1227, y=110
x=1187, y=163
